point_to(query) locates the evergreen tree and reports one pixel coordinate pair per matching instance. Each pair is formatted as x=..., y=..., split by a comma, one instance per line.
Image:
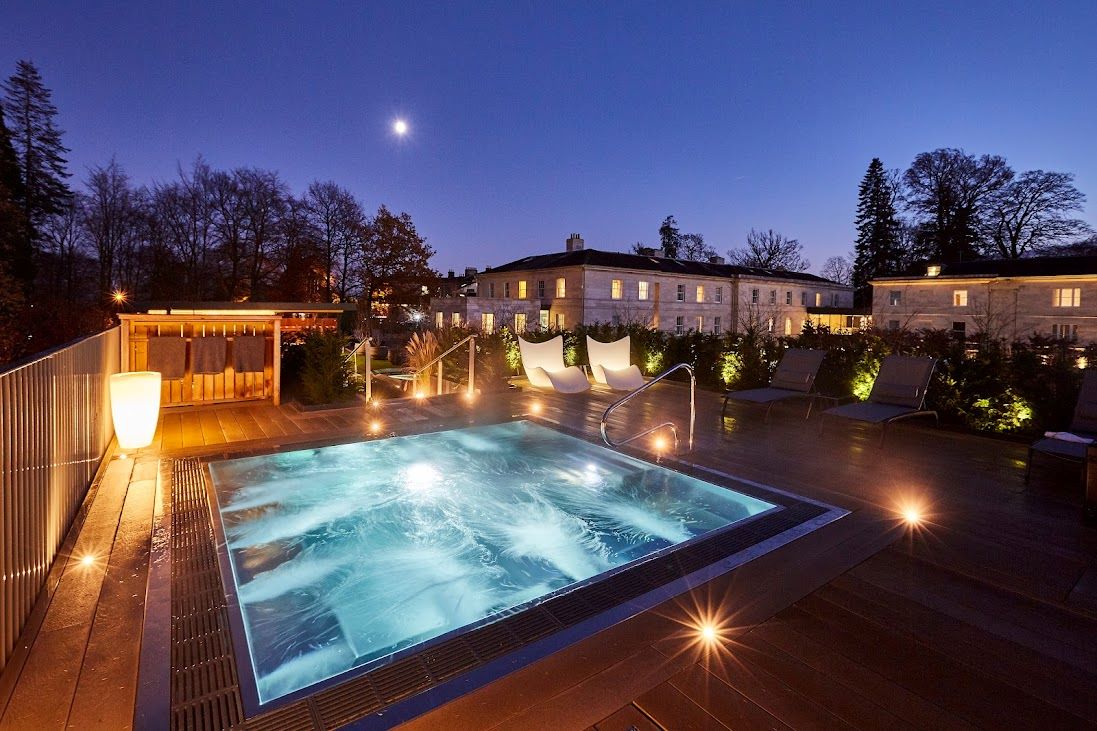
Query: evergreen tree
x=670, y=238
x=876, y=251
x=15, y=248
x=37, y=144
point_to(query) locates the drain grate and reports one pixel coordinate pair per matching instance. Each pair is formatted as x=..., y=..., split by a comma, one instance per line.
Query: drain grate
x=205, y=687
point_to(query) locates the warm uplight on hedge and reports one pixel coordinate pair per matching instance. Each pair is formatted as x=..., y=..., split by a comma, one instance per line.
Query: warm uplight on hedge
x=135, y=407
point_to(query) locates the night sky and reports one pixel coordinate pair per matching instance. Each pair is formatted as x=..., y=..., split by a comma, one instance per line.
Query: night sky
x=532, y=120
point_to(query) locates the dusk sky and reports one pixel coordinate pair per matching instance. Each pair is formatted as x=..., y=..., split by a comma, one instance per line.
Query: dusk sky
x=531, y=121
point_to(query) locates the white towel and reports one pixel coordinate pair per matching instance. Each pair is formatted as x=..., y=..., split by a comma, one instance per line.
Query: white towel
x=1065, y=436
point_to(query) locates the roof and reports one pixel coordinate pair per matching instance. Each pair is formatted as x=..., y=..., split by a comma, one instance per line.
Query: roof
x=267, y=306
x=1035, y=266
x=619, y=260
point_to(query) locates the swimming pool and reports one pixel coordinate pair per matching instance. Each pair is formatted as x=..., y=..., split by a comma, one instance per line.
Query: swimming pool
x=343, y=555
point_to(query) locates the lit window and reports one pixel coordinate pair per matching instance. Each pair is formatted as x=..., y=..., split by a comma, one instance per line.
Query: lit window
x=788, y=326
x=543, y=319
x=561, y=289
x=681, y=296
x=788, y=297
x=959, y=298
x=700, y=323
x=642, y=290
x=754, y=296
x=519, y=322
x=439, y=319
x=895, y=298
x=719, y=296
x=522, y=289
x=559, y=320
x=540, y=289
x=487, y=322
x=679, y=324
x=716, y=324
x=773, y=296
x=491, y=290
x=455, y=319
x=700, y=293
x=769, y=325
x=506, y=290
x=616, y=289
x=933, y=270
x=1068, y=297
x=818, y=299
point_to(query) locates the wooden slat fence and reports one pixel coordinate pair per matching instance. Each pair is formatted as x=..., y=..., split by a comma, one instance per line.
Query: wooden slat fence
x=55, y=426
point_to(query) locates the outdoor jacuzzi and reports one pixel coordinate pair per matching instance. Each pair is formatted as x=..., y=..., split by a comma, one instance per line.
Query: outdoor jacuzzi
x=342, y=556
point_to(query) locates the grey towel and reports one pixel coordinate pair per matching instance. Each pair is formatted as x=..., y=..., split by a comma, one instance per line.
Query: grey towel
x=249, y=353
x=207, y=355
x=168, y=355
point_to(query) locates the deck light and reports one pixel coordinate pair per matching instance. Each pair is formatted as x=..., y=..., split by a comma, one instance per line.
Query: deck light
x=119, y=296
x=659, y=444
x=87, y=560
x=535, y=407
x=135, y=407
x=709, y=634
x=375, y=427
x=912, y=516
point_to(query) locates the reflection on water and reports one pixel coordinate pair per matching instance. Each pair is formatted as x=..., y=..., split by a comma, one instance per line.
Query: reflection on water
x=346, y=554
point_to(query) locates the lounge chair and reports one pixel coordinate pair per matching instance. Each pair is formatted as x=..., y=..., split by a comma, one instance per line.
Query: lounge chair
x=544, y=366
x=1083, y=426
x=610, y=364
x=899, y=392
x=794, y=378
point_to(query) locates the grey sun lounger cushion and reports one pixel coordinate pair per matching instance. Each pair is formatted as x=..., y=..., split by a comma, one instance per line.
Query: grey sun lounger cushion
x=207, y=355
x=902, y=381
x=1061, y=448
x=763, y=395
x=868, y=411
x=1084, y=423
x=168, y=356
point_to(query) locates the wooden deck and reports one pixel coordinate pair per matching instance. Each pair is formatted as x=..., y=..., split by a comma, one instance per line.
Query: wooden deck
x=985, y=617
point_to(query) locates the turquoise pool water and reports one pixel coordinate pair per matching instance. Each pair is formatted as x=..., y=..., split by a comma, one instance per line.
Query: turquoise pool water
x=346, y=554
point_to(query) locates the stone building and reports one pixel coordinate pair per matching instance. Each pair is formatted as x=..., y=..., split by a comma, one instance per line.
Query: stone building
x=585, y=286
x=1006, y=298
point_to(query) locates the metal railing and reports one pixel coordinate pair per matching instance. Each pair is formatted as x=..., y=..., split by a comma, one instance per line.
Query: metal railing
x=55, y=427
x=666, y=424
x=352, y=357
x=470, y=389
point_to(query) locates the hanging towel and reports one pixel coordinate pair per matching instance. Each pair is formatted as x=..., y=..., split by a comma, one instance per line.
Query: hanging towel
x=168, y=355
x=207, y=355
x=249, y=353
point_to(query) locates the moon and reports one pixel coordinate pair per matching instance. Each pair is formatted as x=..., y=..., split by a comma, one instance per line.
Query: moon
x=400, y=127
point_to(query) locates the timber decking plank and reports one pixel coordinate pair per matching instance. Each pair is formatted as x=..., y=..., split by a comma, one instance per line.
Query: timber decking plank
x=629, y=718
x=719, y=700
x=211, y=427
x=671, y=709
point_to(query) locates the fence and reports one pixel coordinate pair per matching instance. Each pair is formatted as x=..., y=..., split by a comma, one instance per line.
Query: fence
x=55, y=426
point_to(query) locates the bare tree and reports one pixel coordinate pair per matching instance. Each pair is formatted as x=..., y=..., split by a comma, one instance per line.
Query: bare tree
x=264, y=199
x=694, y=248
x=111, y=218
x=837, y=269
x=338, y=220
x=770, y=250
x=1031, y=214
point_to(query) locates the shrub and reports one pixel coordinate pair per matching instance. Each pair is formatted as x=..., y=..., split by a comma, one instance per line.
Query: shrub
x=324, y=375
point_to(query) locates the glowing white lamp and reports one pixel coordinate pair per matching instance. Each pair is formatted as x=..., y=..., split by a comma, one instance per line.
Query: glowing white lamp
x=135, y=406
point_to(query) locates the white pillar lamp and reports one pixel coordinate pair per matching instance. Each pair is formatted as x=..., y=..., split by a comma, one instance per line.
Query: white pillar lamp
x=135, y=407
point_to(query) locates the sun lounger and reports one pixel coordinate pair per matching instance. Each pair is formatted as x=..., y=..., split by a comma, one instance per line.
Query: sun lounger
x=1083, y=428
x=544, y=366
x=899, y=392
x=794, y=378
x=610, y=364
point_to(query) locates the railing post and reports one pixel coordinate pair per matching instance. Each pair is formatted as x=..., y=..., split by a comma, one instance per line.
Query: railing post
x=472, y=366
x=369, y=369
x=439, y=378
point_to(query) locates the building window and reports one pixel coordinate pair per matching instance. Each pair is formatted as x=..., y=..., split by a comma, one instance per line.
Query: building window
x=769, y=325
x=716, y=324
x=959, y=329
x=455, y=319
x=818, y=299
x=540, y=289
x=895, y=298
x=543, y=318
x=519, y=322
x=560, y=322
x=679, y=323
x=773, y=296
x=700, y=293
x=616, y=320
x=491, y=290
x=700, y=323
x=506, y=290
x=719, y=296
x=893, y=324
x=788, y=297
x=487, y=322
x=1068, y=297
x=933, y=270
x=561, y=288
x=788, y=326
x=1063, y=331
x=616, y=289
x=439, y=319
x=959, y=298
x=754, y=296
x=833, y=299
x=803, y=299
x=522, y=289
x=681, y=297
x=642, y=290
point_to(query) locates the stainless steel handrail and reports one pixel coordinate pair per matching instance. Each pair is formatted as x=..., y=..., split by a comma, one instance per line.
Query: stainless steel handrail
x=472, y=364
x=666, y=424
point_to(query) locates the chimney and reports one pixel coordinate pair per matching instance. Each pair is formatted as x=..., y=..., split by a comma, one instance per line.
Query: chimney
x=450, y=274
x=647, y=251
x=575, y=243
x=716, y=260
x=470, y=271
